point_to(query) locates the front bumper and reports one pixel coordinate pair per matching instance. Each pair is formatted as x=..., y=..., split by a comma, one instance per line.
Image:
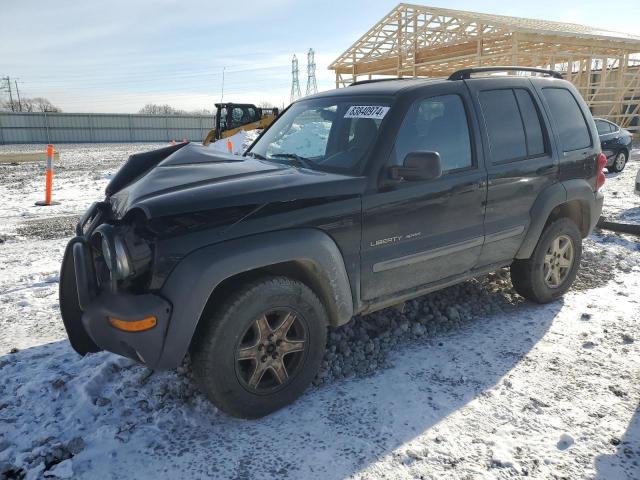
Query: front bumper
x=97, y=305
x=145, y=346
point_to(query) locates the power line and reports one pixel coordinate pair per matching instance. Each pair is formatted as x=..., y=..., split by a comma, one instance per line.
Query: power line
x=152, y=75
x=312, y=86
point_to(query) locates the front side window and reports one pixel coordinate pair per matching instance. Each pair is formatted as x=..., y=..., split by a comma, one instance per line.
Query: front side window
x=437, y=124
x=323, y=134
x=223, y=118
x=572, y=126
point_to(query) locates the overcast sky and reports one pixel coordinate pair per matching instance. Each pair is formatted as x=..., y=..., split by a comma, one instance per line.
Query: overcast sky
x=115, y=56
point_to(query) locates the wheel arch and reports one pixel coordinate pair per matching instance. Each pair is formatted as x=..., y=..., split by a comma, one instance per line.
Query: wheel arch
x=201, y=280
x=574, y=199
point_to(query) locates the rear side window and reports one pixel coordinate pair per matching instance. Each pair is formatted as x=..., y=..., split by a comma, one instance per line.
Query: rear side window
x=513, y=124
x=603, y=127
x=572, y=126
x=504, y=126
x=531, y=121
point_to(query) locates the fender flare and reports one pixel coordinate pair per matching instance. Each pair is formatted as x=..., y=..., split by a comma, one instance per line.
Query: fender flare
x=550, y=198
x=194, y=279
x=591, y=202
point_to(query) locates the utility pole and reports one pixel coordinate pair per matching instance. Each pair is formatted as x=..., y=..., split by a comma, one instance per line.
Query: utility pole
x=312, y=86
x=18, y=93
x=222, y=95
x=295, y=83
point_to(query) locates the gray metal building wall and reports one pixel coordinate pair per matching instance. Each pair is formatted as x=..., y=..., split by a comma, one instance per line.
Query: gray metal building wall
x=100, y=127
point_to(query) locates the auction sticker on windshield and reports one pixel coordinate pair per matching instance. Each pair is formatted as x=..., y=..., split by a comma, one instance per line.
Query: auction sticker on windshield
x=367, y=111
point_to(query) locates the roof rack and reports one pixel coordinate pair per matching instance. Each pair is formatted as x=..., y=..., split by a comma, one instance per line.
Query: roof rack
x=466, y=73
x=375, y=80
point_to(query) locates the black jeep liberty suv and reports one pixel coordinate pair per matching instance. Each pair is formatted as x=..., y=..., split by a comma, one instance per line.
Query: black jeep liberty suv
x=353, y=200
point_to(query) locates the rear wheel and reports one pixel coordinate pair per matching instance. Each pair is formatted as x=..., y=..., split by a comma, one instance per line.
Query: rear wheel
x=262, y=349
x=553, y=266
x=619, y=162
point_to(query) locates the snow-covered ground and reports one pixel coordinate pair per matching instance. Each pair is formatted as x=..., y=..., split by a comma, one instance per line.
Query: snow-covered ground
x=467, y=383
x=622, y=205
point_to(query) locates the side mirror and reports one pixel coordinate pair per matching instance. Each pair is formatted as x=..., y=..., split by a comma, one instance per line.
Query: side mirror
x=418, y=166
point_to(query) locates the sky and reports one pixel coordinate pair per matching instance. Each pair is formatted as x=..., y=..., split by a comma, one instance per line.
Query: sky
x=118, y=55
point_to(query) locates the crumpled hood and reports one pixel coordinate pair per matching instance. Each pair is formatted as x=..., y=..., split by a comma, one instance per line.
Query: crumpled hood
x=195, y=178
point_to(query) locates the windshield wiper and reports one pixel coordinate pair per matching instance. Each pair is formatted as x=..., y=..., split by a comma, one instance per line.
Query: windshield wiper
x=304, y=162
x=256, y=155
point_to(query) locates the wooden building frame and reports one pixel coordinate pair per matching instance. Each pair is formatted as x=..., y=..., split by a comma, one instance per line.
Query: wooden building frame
x=422, y=41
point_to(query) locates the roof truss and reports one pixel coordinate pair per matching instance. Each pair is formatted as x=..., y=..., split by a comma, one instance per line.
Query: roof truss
x=413, y=40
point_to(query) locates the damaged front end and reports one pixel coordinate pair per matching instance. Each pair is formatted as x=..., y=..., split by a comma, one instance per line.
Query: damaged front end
x=103, y=285
x=105, y=272
x=109, y=281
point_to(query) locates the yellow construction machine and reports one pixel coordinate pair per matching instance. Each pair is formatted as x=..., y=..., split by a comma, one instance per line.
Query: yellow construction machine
x=233, y=117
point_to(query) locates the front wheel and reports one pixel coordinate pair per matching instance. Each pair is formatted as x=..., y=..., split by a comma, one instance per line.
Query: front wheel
x=619, y=162
x=262, y=349
x=553, y=266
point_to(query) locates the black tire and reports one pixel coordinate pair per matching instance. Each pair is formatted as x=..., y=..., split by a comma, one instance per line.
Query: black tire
x=619, y=162
x=528, y=276
x=222, y=376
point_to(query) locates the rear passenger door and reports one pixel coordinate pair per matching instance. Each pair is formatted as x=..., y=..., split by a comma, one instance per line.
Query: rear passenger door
x=519, y=159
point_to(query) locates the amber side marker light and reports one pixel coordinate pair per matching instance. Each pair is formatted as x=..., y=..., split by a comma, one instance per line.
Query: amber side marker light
x=134, y=325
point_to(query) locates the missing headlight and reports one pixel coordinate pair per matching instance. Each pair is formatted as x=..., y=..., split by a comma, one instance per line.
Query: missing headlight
x=124, y=254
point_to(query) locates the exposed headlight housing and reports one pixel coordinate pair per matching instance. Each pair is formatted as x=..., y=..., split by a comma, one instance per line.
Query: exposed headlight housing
x=124, y=254
x=124, y=268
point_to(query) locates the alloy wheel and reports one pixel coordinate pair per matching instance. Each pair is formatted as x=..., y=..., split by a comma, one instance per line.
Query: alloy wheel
x=271, y=351
x=558, y=261
x=620, y=161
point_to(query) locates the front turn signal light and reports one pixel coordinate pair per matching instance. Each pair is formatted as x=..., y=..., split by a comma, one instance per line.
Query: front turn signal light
x=134, y=325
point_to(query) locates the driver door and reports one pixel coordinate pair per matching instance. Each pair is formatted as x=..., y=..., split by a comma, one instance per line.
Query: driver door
x=420, y=232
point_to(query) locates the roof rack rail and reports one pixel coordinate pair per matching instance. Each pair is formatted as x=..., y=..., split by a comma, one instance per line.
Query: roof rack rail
x=466, y=73
x=375, y=80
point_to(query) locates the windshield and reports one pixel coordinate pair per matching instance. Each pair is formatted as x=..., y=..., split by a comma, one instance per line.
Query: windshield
x=324, y=134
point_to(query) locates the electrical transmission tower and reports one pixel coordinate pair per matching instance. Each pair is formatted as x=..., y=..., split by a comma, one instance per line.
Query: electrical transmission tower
x=312, y=86
x=295, y=83
x=7, y=82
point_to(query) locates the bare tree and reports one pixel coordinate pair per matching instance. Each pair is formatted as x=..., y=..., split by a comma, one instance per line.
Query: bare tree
x=155, y=109
x=36, y=104
x=44, y=105
x=201, y=111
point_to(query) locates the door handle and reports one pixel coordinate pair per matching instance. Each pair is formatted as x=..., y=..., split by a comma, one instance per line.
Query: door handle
x=546, y=170
x=467, y=187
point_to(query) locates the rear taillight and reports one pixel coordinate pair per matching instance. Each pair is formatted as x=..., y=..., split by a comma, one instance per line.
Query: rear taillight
x=602, y=163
